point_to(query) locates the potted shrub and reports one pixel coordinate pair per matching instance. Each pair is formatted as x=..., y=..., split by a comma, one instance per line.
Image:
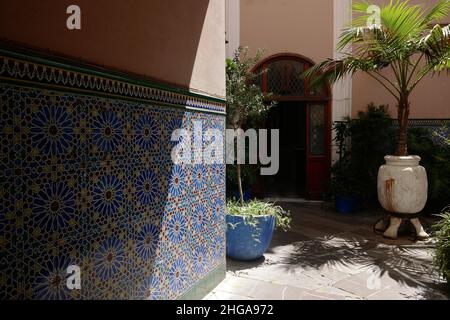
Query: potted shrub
x=441, y=232
x=407, y=41
x=246, y=103
x=250, y=227
x=372, y=136
x=354, y=175
x=344, y=188
x=435, y=152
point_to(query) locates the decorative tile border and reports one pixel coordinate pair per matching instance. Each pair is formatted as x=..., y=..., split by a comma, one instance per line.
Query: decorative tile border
x=439, y=126
x=436, y=123
x=31, y=68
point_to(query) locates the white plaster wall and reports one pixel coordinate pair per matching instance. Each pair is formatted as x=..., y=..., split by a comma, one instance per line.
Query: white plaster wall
x=233, y=26
x=342, y=90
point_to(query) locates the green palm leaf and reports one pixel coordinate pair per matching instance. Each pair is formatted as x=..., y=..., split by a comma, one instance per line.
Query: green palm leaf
x=405, y=41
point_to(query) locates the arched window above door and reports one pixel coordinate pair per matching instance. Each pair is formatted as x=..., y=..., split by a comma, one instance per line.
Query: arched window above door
x=282, y=78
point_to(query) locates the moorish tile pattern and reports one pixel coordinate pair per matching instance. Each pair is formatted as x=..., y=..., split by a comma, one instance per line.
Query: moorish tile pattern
x=87, y=180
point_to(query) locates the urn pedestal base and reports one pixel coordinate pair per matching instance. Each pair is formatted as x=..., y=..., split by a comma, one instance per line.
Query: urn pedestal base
x=390, y=226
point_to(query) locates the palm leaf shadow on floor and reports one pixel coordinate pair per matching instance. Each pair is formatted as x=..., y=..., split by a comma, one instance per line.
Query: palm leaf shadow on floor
x=321, y=239
x=398, y=262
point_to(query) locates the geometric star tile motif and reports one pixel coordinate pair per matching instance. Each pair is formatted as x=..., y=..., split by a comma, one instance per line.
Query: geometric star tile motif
x=89, y=181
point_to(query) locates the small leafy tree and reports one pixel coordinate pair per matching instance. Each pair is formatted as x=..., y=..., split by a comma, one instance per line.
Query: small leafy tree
x=407, y=41
x=434, y=148
x=244, y=97
x=441, y=232
x=442, y=235
x=371, y=135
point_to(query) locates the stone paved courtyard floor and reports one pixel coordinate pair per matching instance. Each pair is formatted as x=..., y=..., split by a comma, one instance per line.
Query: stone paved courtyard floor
x=327, y=255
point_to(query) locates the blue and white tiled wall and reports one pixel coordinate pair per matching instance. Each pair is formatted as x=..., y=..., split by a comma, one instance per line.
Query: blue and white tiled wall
x=88, y=180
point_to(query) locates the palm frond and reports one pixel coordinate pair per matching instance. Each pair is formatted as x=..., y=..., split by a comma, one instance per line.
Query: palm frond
x=436, y=47
x=372, y=43
x=401, y=19
x=437, y=13
x=399, y=39
x=404, y=31
x=332, y=70
x=401, y=23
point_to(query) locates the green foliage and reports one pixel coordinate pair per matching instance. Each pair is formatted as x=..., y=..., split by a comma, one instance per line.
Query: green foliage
x=255, y=208
x=405, y=31
x=442, y=135
x=244, y=97
x=341, y=133
x=441, y=232
x=246, y=105
x=371, y=135
x=436, y=160
x=404, y=40
x=344, y=182
x=248, y=176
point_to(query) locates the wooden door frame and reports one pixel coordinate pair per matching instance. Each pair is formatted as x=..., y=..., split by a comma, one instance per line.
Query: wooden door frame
x=307, y=99
x=327, y=154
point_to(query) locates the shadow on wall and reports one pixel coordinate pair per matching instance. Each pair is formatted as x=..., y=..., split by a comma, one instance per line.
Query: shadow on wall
x=157, y=39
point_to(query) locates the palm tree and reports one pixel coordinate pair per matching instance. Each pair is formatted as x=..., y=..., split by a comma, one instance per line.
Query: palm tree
x=407, y=40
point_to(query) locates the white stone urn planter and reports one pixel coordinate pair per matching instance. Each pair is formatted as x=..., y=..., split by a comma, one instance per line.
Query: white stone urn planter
x=403, y=191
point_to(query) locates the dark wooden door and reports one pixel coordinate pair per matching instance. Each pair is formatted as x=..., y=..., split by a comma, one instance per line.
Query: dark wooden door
x=290, y=118
x=305, y=161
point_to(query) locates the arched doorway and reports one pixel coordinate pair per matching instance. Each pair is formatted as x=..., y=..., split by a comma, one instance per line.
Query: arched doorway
x=303, y=116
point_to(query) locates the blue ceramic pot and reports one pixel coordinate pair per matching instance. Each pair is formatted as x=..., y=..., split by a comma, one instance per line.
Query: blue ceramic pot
x=245, y=242
x=346, y=204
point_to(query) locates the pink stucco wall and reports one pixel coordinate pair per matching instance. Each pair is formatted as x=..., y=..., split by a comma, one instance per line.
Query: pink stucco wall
x=306, y=27
x=178, y=42
x=277, y=26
